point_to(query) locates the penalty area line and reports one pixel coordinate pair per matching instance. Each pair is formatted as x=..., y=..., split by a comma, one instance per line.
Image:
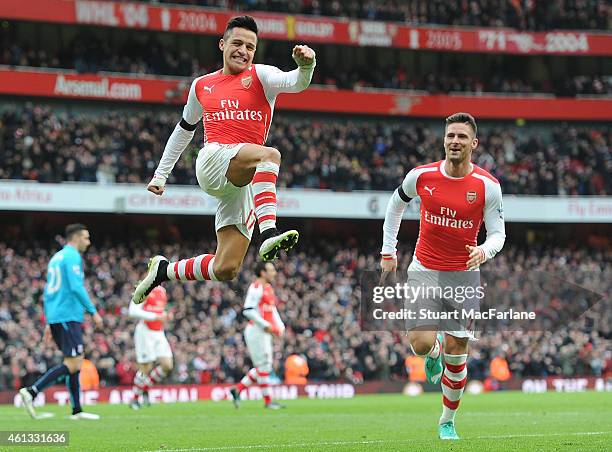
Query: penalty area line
x=370, y=442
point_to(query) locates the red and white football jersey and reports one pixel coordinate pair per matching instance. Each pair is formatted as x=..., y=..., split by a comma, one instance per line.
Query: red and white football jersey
x=452, y=211
x=155, y=303
x=239, y=108
x=261, y=298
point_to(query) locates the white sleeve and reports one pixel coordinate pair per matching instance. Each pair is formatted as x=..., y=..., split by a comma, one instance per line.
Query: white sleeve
x=137, y=311
x=176, y=145
x=251, y=306
x=181, y=135
x=192, y=111
x=494, y=221
x=277, y=320
x=395, y=211
x=275, y=81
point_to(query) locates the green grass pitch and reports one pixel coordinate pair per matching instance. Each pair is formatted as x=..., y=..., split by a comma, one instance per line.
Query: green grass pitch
x=507, y=421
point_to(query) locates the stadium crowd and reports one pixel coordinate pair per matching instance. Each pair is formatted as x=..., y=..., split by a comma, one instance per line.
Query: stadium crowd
x=88, y=53
x=39, y=144
x=319, y=302
x=400, y=77
x=522, y=14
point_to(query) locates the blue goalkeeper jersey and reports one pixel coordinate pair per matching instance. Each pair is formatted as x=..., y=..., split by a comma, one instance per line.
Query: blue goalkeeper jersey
x=65, y=298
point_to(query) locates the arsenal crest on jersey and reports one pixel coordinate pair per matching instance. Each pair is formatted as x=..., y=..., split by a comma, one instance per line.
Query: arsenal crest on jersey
x=247, y=81
x=471, y=196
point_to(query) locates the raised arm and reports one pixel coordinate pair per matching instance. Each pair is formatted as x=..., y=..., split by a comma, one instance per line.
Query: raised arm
x=275, y=81
x=177, y=143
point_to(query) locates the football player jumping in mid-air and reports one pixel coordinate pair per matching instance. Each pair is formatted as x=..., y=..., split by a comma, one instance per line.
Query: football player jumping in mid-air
x=236, y=105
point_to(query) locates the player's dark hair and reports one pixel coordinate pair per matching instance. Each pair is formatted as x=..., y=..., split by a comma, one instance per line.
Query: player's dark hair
x=72, y=229
x=464, y=118
x=259, y=267
x=240, y=22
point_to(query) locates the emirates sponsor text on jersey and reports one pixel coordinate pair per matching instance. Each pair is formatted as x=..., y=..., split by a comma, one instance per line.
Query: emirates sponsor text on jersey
x=447, y=219
x=230, y=111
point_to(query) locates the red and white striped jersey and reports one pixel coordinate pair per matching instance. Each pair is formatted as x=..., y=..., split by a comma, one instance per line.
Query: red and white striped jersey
x=261, y=299
x=452, y=211
x=154, y=305
x=239, y=108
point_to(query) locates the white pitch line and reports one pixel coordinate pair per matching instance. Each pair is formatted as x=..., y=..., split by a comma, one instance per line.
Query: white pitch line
x=523, y=413
x=363, y=443
x=266, y=446
x=537, y=435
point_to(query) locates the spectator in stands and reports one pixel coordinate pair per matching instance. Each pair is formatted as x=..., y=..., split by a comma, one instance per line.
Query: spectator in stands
x=89, y=53
x=321, y=317
x=39, y=144
x=522, y=14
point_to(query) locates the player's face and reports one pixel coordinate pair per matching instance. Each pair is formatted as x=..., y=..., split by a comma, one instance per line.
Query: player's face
x=459, y=142
x=270, y=272
x=238, y=50
x=83, y=241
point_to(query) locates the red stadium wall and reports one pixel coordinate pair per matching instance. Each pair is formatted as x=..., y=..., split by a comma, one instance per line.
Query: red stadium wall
x=192, y=393
x=310, y=29
x=168, y=90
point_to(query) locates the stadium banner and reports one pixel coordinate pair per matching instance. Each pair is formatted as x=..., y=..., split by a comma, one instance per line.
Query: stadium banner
x=69, y=84
x=173, y=90
x=330, y=390
x=310, y=28
x=297, y=203
x=215, y=392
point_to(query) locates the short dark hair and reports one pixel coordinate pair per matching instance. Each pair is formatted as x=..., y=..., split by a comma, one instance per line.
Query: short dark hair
x=72, y=229
x=240, y=22
x=464, y=118
x=260, y=266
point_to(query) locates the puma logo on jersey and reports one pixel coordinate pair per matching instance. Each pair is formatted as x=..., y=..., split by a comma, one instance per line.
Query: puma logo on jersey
x=209, y=88
x=430, y=190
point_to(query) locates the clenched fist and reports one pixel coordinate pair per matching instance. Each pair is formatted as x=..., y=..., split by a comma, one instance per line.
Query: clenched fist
x=157, y=185
x=304, y=56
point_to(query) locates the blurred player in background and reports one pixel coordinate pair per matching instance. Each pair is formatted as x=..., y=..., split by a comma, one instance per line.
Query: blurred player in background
x=151, y=344
x=65, y=303
x=264, y=322
x=456, y=197
x=236, y=105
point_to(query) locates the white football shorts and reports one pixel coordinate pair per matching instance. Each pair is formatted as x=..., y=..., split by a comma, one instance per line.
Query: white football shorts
x=235, y=204
x=419, y=274
x=150, y=344
x=259, y=344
